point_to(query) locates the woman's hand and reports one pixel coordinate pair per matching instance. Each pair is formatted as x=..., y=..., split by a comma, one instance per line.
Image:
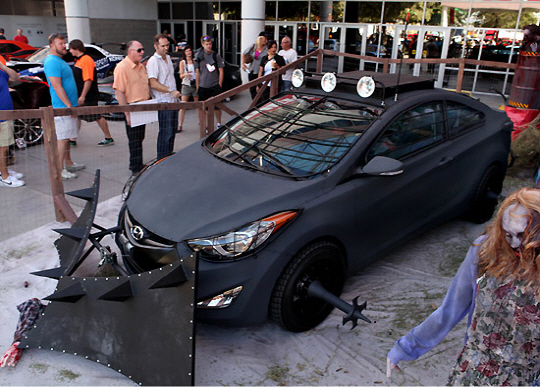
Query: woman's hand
x=389, y=367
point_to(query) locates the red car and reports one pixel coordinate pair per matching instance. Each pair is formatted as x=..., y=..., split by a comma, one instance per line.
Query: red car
x=10, y=49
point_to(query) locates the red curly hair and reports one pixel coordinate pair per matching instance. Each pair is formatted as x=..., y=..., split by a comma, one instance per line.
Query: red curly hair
x=497, y=258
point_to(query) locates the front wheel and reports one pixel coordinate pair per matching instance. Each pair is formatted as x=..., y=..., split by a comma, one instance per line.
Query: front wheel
x=29, y=130
x=485, y=197
x=290, y=305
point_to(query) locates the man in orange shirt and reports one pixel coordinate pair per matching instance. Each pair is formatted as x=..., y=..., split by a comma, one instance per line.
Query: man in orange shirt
x=85, y=74
x=131, y=85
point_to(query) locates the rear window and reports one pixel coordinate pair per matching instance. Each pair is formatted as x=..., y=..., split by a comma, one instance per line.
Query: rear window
x=462, y=118
x=293, y=135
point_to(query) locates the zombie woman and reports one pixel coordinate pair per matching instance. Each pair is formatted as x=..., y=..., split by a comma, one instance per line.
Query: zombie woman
x=498, y=288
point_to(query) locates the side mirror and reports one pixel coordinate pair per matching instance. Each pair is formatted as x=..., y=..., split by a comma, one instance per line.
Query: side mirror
x=381, y=166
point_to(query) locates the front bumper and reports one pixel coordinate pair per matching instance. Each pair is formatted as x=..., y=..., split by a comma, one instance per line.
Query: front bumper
x=255, y=274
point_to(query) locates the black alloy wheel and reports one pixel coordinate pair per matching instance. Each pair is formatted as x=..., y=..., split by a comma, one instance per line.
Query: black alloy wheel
x=290, y=305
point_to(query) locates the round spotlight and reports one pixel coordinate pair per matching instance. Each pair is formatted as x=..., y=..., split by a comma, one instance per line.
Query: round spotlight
x=365, y=87
x=329, y=82
x=297, y=78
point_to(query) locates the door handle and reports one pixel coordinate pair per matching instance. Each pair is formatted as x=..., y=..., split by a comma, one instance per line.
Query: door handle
x=445, y=160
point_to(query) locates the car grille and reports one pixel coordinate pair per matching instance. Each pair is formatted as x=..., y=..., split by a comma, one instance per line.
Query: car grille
x=140, y=237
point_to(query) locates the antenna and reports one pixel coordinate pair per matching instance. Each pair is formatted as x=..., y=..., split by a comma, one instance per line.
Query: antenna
x=401, y=60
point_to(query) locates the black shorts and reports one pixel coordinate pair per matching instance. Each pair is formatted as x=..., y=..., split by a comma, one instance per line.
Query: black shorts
x=205, y=93
x=90, y=117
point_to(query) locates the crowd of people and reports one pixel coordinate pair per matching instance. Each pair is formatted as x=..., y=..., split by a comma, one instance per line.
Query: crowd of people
x=201, y=73
x=18, y=38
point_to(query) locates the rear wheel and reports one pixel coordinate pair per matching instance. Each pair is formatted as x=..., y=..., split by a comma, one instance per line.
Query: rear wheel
x=29, y=130
x=290, y=305
x=485, y=197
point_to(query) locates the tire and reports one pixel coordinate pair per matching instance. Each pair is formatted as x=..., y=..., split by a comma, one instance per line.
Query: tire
x=29, y=130
x=290, y=306
x=485, y=197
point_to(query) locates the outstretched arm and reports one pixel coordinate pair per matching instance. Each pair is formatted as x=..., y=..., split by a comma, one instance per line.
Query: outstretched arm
x=458, y=302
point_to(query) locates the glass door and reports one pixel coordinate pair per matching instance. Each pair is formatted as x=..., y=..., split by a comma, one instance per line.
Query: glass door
x=211, y=28
x=432, y=42
x=231, y=42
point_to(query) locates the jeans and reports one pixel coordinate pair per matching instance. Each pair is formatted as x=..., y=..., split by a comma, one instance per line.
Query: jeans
x=135, y=139
x=286, y=85
x=253, y=89
x=168, y=125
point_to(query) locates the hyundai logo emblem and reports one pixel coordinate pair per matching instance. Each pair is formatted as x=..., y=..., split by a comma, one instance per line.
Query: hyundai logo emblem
x=137, y=232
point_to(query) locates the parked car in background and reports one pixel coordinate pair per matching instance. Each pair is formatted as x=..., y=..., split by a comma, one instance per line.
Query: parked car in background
x=29, y=93
x=312, y=185
x=14, y=50
x=33, y=65
x=499, y=53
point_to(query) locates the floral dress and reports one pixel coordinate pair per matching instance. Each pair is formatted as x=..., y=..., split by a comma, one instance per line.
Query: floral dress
x=503, y=347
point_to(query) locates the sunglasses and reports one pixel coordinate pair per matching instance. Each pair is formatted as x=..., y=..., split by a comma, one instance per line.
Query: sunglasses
x=206, y=38
x=139, y=50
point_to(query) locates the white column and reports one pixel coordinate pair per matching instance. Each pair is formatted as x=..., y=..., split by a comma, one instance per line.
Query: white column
x=253, y=13
x=77, y=20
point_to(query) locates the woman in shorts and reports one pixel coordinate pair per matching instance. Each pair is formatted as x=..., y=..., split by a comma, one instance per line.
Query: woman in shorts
x=189, y=89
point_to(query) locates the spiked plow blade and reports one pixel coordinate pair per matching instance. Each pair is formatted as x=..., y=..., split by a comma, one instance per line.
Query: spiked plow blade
x=140, y=325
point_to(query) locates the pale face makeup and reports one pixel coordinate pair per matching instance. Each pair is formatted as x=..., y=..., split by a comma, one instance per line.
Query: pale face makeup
x=514, y=223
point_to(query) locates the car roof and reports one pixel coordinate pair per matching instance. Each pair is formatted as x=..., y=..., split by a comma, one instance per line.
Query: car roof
x=386, y=86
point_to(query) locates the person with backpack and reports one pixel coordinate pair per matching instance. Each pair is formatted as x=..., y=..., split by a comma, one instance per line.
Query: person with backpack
x=209, y=73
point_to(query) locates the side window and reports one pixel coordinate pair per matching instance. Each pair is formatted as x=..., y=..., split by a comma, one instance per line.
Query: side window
x=94, y=54
x=462, y=118
x=417, y=128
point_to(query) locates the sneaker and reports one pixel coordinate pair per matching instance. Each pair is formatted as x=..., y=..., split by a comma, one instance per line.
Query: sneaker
x=72, y=143
x=75, y=167
x=218, y=126
x=16, y=174
x=107, y=141
x=11, y=182
x=67, y=175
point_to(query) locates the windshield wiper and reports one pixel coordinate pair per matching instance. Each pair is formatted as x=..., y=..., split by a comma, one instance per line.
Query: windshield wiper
x=273, y=160
x=241, y=155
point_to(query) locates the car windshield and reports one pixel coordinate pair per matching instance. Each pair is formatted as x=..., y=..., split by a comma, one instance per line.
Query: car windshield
x=293, y=135
x=39, y=56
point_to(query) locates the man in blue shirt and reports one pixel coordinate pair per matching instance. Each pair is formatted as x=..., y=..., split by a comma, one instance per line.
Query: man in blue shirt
x=9, y=178
x=64, y=94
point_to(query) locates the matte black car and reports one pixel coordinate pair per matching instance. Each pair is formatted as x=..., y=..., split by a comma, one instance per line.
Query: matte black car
x=313, y=185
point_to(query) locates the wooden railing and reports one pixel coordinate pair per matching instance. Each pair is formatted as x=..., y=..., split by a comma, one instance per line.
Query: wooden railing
x=63, y=209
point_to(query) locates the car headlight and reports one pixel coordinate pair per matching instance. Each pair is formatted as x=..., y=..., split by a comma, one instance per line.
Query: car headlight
x=242, y=240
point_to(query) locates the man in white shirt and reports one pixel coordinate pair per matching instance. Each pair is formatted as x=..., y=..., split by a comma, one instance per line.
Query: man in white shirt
x=163, y=87
x=290, y=56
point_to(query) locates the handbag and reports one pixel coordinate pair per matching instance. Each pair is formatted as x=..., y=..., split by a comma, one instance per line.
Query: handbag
x=248, y=58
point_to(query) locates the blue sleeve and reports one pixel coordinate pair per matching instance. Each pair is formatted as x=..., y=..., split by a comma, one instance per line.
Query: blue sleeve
x=52, y=68
x=458, y=302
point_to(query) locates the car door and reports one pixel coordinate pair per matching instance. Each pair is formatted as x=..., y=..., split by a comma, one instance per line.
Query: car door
x=391, y=207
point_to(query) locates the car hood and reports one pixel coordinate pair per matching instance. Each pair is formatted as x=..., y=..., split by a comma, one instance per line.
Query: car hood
x=195, y=194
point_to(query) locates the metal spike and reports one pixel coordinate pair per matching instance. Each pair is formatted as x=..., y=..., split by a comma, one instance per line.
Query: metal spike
x=121, y=292
x=176, y=277
x=72, y=294
x=76, y=233
x=85, y=194
x=55, y=273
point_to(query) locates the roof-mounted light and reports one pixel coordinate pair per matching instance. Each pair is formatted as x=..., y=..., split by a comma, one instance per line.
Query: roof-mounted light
x=297, y=78
x=329, y=82
x=365, y=87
